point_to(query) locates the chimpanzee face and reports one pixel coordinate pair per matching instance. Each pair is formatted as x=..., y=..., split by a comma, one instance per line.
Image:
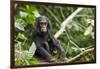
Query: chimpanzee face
x=43, y=24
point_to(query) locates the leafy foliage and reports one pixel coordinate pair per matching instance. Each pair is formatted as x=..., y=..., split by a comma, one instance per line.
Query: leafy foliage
x=78, y=35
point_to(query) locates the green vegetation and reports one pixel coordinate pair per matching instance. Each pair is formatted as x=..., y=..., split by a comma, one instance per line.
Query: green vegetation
x=78, y=35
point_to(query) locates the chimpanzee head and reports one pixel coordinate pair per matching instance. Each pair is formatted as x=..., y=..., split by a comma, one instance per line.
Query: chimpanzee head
x=43, y=24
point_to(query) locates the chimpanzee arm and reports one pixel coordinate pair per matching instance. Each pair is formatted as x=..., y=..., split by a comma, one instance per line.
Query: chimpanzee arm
x=56, y=44
x=51, y=38
x=35, y=38
x=40, y=49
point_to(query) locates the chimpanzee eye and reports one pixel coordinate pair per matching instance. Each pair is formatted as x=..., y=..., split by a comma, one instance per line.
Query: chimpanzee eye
x=43, y=23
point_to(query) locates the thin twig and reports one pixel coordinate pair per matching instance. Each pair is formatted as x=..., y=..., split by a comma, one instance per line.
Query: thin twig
x=52, y=14
x=77, y=56
x=72, y=41
x=61, y=11
x=84, y=16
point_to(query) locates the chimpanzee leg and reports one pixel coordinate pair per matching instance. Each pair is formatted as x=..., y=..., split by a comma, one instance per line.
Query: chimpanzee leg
x=60, y=49
x=44, y=53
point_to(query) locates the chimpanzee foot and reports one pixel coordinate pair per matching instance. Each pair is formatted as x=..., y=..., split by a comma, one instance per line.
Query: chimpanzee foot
x=64, y=59
x=52, y=60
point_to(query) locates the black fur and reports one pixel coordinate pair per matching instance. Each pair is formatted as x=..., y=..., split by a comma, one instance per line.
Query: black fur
x=45, y=42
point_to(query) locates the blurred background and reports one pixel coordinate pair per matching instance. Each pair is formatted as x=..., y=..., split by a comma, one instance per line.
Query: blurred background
x=78, y=35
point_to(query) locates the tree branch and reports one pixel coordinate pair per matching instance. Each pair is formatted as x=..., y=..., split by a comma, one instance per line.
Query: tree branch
x=77, y=56
x=85, y=16
x=67, y=21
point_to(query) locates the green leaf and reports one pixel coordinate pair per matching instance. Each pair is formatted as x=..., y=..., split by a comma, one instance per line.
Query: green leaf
x=88, y=30
x=33, y=61
x=18, y=62
x=27, y=7
x=20, y=24
x=23, y=14
x=92, y=34
x=90, y=21
x=21, y=36
x=36, y=13
x=76, y=27
x=32, y=50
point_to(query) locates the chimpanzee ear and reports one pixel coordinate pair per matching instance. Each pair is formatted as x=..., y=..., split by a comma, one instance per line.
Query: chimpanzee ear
x=49, y=24
x=37, y=24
